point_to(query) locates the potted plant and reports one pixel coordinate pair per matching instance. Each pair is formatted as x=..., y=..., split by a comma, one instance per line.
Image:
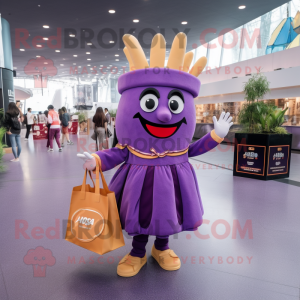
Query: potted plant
x=113, y=114
x=4, y=148
x=262, y=147
x=83, y=123
x=1, y=116
x=2, y=151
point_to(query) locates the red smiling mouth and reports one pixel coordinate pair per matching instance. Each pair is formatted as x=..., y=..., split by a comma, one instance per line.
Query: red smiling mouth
x=157, y=130
x=160, y=131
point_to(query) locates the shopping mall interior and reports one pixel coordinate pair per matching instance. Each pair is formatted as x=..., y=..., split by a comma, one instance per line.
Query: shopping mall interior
x=150, y=149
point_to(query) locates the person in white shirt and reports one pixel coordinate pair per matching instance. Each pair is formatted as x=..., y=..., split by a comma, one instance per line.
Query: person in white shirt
x=42, y=118
x=29, y=123
x=107, y=115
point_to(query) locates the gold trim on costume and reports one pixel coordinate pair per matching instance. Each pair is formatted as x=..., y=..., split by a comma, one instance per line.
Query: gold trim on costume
x=154, y=154
x=215, y=137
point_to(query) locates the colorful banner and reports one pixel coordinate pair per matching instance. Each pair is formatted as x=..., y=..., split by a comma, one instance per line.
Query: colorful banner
x=251, y=159
x=73, y=127
x=40, y=131
x=278, y=160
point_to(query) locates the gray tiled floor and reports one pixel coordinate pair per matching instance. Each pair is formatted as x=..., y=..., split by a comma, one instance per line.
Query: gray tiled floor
x=37, y=191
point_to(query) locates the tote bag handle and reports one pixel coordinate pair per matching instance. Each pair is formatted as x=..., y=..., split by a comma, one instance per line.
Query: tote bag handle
x=97, y=185
x=100, y=170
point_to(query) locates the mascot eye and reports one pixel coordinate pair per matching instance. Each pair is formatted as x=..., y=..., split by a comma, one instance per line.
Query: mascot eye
x=149, y=103
x=176, y=104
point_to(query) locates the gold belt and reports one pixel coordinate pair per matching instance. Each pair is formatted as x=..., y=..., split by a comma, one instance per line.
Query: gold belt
x=154, y=154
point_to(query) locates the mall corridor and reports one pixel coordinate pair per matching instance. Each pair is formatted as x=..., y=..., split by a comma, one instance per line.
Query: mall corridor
x=187, y=114
x=248, y=247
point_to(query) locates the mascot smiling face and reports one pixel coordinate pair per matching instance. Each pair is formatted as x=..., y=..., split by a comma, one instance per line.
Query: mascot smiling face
x=156, y=109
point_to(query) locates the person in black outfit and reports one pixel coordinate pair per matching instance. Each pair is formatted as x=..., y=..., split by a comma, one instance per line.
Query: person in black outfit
x=13, y=128
x=29, y=123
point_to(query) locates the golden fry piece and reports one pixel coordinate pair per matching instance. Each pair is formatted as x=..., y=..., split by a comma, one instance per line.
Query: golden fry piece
x=136, y=52
x=158, y=51
x=187, y=61
x=198, y=66
x=177, y=52
x=127, y=54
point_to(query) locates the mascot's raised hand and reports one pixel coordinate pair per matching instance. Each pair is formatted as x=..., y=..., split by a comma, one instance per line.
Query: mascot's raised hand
x=223, y=125
x=89, y=161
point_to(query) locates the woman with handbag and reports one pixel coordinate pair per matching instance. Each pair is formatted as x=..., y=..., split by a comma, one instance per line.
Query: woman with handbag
x=100, y=128
x=13, y=127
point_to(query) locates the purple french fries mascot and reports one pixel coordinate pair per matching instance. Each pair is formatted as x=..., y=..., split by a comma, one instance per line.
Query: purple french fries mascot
x=155, y=186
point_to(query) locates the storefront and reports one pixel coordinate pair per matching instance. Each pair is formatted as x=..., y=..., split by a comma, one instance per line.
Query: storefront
x=205, y=113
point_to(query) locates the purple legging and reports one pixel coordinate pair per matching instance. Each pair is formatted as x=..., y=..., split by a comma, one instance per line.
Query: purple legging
x=140, y=241
x=54, y=132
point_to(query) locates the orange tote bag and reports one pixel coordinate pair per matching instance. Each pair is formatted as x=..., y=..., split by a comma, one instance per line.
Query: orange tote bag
x=94, y=221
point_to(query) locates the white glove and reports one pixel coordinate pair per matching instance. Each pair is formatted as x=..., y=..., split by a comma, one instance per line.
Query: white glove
x=223, y=125
x=89, y=161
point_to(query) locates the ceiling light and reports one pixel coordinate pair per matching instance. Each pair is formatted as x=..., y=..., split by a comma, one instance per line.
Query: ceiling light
x=184, y=22
x=79, y=66
x=45, y=63
x=74, y=64
x=46, y=26
x=88, y=59
x=62, y=65
x=75, y=55
x=111, y=11
x=45, y=39
x=117, y=59
x=22, y=49
x=38, y=56
x=111, y=42
x=116, y=54
x=39, y=46
x=242, y=7
x=89, y=44
x=57, y=50
x=72, y=35
x=89, y=65
x=101, y=65
x=88, y=52
x=136, y=21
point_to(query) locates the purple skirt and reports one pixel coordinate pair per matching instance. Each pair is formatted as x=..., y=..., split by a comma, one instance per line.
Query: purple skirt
x=157, y=200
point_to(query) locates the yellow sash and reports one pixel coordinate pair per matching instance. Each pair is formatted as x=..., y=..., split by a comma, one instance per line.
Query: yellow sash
x=154, y=154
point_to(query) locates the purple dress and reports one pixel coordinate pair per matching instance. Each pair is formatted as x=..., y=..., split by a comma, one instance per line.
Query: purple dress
x=157, y=196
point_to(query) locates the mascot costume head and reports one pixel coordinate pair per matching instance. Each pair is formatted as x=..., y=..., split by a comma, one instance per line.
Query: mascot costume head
x=157, y=106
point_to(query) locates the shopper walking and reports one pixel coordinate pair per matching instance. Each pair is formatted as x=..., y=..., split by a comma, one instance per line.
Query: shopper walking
x=54, y=131
x=42, y=118
x=100, y=127
x=29, y=123
x=65, y=119
x=13, y=129
x=48, y=126
x=107, y=115
x=18, y=103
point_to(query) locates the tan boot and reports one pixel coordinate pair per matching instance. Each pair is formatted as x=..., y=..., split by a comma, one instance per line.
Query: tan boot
x=130, y=265
x=167, y=259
